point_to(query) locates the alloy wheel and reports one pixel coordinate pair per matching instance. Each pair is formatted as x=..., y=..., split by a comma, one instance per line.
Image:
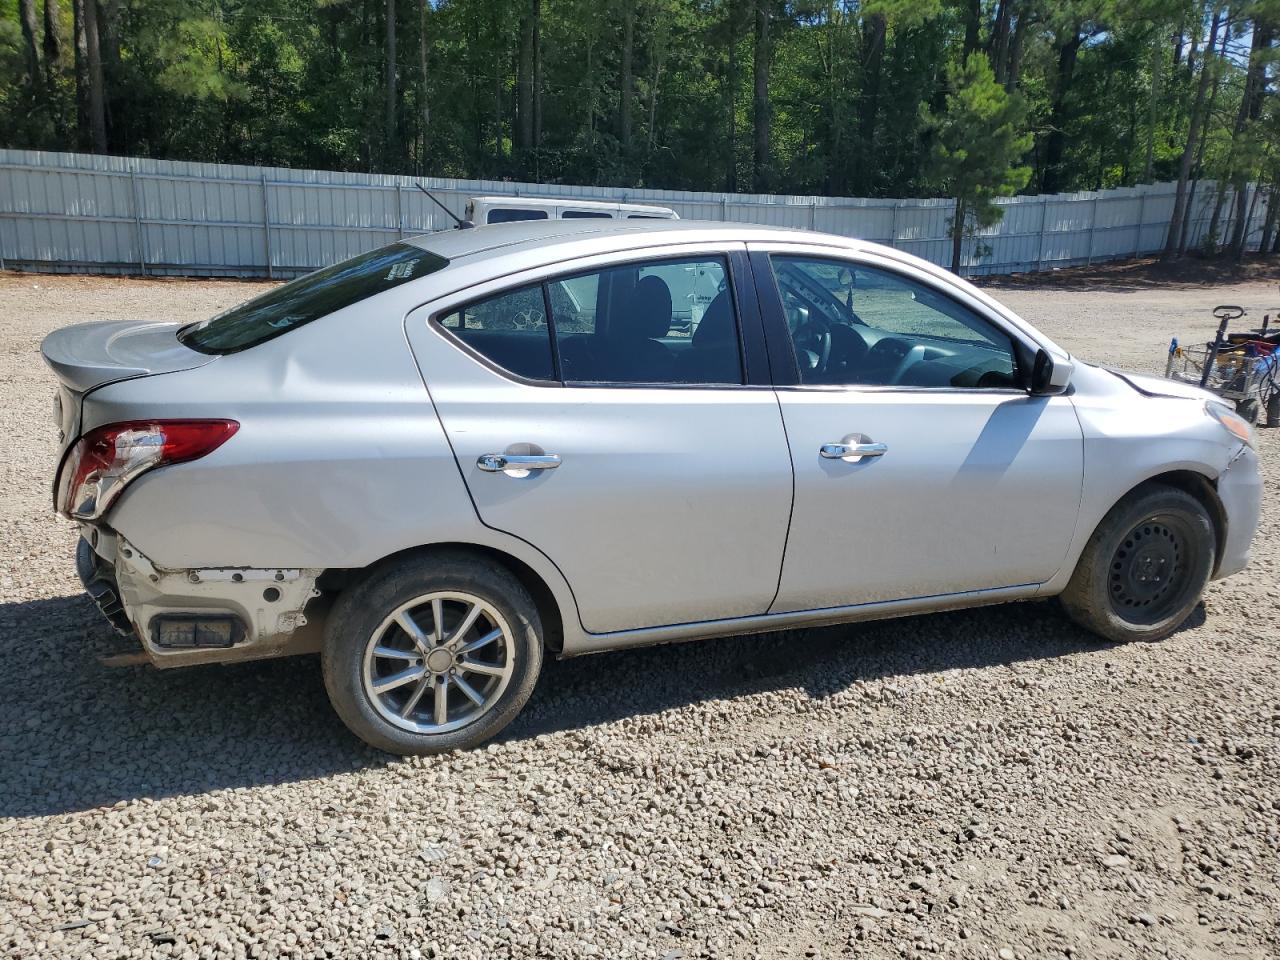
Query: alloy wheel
x=438, y=663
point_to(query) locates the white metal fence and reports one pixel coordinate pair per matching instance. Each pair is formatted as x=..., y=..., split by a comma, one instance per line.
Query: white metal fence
x=69, y=212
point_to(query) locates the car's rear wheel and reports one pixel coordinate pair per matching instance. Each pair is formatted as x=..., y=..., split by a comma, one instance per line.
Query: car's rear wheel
x=432, y=653
x=1144, y=568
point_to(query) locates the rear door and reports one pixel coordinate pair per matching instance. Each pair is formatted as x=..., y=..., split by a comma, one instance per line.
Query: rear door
x=921, y=468
x=659, y=480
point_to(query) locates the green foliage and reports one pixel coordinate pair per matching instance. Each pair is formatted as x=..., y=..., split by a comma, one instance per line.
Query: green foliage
x=978, y=141
x=872, y=98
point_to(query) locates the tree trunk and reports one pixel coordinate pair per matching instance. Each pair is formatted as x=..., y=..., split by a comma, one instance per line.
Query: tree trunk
x=1055, y=146
x=957, y=235
x=424, y=104
x=81, y=48
x=524, y=86
x=731, y=100
x=1157, y=60
x=1013, y=72
x=625, y=79
x=108, y=20
x=90, y=98
x=536, y=144
x=972, y=27
x=761, y=112
x=1245, y=226
x=1171, y=243
x=658, y=56
x=390, y=150
x=27, y=14
x=1220, y=198
x=1269, y=224
x=1250, y=110
x=52, y=44
x=1197, y=167
x=1000, y=37
x=873, y=33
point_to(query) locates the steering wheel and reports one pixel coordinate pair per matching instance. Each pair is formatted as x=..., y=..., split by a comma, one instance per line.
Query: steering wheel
x=813, y=336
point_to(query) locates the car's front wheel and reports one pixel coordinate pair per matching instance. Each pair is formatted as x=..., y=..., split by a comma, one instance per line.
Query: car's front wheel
x=432, y=653
x=1144, y=568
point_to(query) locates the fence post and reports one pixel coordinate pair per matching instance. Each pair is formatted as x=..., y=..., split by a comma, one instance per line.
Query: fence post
x=1142, y=222
x=724, y=206
x=399, y=212
x=1044, y=213
x=266, y=227
x=1093, y=222
x=813, y=215
x=137, y=222
x=893, y=226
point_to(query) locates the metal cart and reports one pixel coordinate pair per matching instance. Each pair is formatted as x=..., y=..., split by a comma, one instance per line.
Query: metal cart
x=1240, y=367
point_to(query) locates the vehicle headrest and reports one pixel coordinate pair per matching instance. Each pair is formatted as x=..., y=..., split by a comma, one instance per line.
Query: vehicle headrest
x=649, y=314
x=717, y=323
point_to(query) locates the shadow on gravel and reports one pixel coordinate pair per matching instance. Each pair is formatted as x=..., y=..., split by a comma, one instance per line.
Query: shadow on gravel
x=76, y=734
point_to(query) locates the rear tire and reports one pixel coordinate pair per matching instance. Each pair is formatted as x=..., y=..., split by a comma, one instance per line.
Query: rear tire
x=407, y=684
x=1144, y=569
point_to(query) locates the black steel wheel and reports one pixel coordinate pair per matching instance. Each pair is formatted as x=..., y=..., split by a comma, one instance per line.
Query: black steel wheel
x=1152, y=568
x=1145, y=567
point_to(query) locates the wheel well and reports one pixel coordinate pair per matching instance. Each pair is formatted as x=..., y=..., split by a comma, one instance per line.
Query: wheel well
x=1204, y=490
x=334, y=580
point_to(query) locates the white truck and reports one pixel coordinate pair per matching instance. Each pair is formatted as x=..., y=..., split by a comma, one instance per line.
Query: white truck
x=482, y=210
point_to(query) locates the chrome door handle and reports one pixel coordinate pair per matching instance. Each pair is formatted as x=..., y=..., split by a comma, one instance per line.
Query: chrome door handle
x=852, y=451
x=517, y=464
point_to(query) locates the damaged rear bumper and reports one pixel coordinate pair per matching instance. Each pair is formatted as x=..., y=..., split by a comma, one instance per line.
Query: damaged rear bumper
x=233, y=613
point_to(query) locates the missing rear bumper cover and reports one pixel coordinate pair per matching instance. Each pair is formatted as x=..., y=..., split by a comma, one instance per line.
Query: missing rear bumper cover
x=199, y=615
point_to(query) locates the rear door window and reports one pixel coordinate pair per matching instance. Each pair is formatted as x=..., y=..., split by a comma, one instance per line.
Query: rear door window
x=669, y=321
x=509, y=330
x=308, y=298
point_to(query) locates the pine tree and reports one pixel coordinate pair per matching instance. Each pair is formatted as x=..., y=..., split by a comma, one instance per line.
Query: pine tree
x=978, y=144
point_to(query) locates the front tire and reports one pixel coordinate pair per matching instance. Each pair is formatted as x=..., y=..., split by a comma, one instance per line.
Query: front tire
x=432, y=653
x=1145, y=567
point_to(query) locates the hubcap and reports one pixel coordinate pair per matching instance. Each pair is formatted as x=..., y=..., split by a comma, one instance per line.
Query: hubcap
x=439, y=662
x=1149, y=571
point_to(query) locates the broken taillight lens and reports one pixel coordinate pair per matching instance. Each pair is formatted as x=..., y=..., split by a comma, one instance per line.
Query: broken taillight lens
x=106, y=459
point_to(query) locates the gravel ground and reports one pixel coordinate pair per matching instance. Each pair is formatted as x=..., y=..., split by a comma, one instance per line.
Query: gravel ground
x=992, y=783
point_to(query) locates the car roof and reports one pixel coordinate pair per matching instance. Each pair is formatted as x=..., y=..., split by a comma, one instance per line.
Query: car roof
x=546, y=235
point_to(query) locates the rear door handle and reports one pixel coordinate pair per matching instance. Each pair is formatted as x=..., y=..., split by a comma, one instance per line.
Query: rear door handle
x=517, y=464
x=852, y=451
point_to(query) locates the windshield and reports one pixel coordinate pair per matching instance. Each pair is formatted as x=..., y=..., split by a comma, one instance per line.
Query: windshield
x=309, y=298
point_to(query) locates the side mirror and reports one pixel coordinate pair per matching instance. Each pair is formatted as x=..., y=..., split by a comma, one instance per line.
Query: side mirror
x=1049, y=376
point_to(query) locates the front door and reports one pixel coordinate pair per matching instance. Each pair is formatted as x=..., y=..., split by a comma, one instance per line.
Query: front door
x=622, y=439
x=921, y=468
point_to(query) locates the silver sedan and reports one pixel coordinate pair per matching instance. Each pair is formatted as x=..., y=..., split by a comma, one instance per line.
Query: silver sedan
x=437, y=462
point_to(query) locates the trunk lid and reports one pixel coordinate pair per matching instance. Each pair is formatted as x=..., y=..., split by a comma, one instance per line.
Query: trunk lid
x=88, y=355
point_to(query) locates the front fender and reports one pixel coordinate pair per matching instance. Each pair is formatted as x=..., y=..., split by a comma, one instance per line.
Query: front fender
x=1130, y=438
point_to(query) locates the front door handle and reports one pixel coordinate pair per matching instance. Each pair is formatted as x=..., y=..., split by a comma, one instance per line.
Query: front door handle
x=517, y=464
x=853, y=451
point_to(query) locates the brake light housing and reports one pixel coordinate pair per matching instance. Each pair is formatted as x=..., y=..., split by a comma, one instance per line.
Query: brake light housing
x=103, y=462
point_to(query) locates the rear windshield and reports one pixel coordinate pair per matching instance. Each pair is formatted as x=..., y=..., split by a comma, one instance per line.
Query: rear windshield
x=309, y=298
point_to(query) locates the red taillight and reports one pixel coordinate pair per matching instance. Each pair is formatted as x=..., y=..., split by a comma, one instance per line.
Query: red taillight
x=106, y=459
